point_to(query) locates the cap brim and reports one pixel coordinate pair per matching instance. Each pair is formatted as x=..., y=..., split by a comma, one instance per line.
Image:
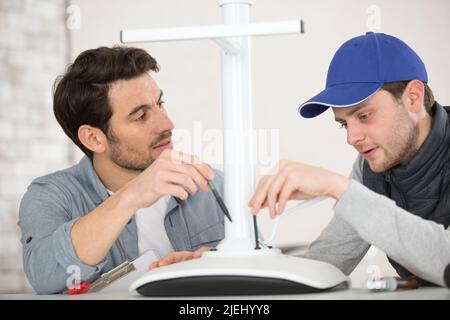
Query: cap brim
x=344, y=95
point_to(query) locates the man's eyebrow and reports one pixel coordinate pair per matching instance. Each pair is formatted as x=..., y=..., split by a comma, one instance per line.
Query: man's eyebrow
x=351, y=112
x=144, y=106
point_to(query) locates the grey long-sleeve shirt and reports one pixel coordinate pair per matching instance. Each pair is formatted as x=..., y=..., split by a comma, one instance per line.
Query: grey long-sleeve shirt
x=364, y=217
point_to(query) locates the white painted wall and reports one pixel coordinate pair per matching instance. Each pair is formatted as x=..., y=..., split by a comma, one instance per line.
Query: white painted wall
x=32, y=53
x=287, y=70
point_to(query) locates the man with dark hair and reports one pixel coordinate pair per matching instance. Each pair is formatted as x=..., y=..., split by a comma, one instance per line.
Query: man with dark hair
x=123, y=197
x=398, y=194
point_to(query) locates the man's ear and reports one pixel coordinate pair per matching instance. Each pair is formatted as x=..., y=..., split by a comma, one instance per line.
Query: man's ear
x=92, y=138
x=414, y=96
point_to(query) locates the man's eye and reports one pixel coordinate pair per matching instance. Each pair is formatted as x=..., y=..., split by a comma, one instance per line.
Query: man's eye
x=364, y=117
x=343, y=125
x=142, y=116
x=160, y=104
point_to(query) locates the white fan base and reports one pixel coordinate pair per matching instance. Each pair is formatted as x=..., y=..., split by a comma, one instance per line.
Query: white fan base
x=264, y=271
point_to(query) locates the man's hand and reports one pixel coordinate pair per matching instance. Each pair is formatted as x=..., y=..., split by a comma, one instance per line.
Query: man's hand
x=295, y=181
x=178, y=256
x=172, y=173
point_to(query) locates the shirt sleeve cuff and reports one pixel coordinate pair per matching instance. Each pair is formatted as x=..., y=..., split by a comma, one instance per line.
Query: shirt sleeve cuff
x=65, y=254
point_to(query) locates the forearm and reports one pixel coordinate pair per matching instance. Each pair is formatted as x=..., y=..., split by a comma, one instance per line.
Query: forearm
x=93, y=234
x=420, y=245
x=337, y=184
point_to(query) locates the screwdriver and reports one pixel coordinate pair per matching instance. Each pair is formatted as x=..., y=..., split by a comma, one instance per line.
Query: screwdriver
x=219, y=200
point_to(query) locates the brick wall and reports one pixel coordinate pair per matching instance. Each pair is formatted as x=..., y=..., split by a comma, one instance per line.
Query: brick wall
x=33, y=51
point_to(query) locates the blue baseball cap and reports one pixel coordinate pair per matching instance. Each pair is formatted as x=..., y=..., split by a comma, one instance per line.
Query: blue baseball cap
x=360, y=67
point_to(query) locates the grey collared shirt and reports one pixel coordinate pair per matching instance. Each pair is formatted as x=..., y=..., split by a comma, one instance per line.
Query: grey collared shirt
x=53, y=203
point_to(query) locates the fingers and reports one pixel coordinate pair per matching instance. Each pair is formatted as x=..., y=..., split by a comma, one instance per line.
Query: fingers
x=278, y=185
x=168, y=259
x=269, y=189
x=190, y=166
x=176, y=191
x=204, y=168
x=182, y=180
x=260, y=194
x=171, y=258
x=178, y=157
x=283, y=197
x=175, y=257
x=255, y=198
x=265, y=204
x=166, y=176
x=193, y=173
x=198, y=253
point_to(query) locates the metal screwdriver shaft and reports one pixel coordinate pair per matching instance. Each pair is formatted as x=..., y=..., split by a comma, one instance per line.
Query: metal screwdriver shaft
x=216, y=194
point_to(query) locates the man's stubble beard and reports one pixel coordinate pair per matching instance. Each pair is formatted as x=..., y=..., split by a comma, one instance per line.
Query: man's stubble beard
x=404, y=145
x=129, y=158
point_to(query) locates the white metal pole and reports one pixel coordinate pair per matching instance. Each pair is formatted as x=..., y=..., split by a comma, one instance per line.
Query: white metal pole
x=211, y=31
x=234, y=37
x=239, y=149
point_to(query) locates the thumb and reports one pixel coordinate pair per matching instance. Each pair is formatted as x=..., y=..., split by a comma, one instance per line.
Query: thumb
x=198, y=253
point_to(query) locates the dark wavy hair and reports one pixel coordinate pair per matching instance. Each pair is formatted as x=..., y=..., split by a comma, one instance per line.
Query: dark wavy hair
x=80, y=95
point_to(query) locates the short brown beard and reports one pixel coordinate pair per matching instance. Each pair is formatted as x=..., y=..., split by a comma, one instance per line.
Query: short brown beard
x=129, y=158
x=409, y=147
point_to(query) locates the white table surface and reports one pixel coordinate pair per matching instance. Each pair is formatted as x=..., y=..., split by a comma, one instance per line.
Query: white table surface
x=349, y=294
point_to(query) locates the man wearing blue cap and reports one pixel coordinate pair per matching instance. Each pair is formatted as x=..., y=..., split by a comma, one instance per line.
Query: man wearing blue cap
x=398, y=194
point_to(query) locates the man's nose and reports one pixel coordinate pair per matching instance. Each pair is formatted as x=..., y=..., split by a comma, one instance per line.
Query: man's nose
x=163, y=122
x=354, y=135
